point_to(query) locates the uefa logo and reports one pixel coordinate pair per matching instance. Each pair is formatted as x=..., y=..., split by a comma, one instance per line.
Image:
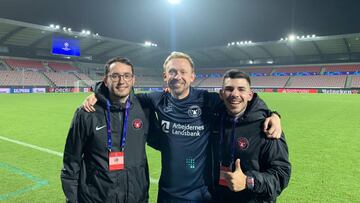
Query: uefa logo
x=66, y=46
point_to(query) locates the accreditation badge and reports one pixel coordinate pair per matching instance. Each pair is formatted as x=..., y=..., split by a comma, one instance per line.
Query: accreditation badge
x=223, y=170
x=116, y=161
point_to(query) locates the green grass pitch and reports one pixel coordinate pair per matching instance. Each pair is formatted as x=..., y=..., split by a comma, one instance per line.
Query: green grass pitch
x=322, y=131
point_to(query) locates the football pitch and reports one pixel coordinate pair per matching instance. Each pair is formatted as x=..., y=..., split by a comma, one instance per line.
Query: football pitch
x=322, y=131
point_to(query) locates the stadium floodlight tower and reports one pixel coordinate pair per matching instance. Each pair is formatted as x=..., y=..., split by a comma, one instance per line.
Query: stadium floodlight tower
x=174, y=2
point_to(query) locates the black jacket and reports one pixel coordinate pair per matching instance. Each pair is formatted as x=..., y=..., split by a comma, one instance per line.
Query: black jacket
x=85, y=175
x=264, y=159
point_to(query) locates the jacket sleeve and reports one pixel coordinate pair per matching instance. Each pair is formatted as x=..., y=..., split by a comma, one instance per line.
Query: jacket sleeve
x=72, y=159
x=147, y=103
x=154, y=134
x=275, y=171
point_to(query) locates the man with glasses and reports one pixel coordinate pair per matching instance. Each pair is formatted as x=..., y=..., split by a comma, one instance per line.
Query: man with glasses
x=182, y=132
x=104, y=156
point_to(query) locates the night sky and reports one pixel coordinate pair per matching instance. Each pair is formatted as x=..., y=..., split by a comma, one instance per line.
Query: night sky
x=193, y=23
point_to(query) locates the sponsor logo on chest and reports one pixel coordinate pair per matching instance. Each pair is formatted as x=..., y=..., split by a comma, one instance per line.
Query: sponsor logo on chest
x=181, y=129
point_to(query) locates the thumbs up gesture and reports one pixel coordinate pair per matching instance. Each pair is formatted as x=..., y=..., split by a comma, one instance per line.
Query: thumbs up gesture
x=236, y=180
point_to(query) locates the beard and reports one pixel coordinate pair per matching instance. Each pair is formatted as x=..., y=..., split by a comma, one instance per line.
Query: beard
x=118, y=94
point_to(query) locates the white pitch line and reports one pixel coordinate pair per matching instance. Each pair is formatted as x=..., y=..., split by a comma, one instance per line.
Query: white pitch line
x=49, y=151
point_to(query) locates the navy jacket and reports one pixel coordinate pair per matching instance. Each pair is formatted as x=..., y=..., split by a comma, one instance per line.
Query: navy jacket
x=264, y=159
x=85, y=175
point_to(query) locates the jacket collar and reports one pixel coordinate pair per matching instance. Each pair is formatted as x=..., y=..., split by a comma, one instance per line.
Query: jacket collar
x=102, y=94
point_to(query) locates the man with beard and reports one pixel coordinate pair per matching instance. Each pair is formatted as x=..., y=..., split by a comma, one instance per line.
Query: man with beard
x=104, y=156
x=184, y=116
x=249, y=167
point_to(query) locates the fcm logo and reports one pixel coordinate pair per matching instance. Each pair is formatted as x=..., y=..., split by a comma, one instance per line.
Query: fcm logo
x=165, y=126
x=194, y=111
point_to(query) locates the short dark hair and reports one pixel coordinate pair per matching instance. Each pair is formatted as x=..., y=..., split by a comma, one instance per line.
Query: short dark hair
x=236, y=74
x=119, y=60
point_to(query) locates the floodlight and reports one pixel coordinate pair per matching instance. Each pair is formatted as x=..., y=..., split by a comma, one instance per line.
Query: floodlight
x=292, y=37
x=57, y=26
x=313, y=35
x=52, y=25
x=147, y=43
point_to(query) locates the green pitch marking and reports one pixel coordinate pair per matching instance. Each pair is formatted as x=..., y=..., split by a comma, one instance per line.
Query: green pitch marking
x=38, y=182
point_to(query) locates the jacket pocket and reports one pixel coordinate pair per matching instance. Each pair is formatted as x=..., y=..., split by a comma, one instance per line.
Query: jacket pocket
x=100, y=186
x=138, y=180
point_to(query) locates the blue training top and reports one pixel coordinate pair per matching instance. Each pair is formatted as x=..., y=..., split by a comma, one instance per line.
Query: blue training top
x=183, y=142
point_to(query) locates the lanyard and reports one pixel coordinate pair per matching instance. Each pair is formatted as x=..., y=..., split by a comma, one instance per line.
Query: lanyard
x=109, y=141
x=222, y=135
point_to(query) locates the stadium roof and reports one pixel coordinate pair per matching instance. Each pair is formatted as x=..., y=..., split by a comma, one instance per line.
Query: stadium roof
x=30, y=40
x=202, y=28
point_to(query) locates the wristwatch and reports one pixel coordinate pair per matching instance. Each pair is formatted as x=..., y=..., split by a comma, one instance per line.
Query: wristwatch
x=250, y=182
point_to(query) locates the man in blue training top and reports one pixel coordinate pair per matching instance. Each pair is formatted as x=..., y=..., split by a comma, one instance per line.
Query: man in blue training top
x=184, y=122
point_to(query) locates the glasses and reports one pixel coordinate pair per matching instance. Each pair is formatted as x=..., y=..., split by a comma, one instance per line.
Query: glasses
x=115, y=77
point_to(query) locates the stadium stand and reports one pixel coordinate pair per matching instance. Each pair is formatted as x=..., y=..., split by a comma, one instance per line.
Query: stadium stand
x=62, y=67
x=269, y=81
x=198, y=81
x=149, y=81
x=22, y=78
x=300, y=70
x=85, y=74
x=92, y=69
x=17, y=64
x=62, y=79
x=318, y=81
x=355, y=82
x=211, y=82
x=218, y=72
x=258, y=71
x=2, y=66
x=257, y=81
x=341, y=69
x=84, y=78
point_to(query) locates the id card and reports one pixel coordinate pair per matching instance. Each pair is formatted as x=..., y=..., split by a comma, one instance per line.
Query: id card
x=223, y=170
x=116, y=161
